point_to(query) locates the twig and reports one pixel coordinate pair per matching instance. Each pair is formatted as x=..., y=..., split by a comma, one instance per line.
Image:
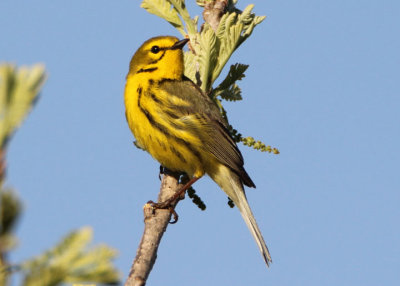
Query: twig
x=3, y=255
x=2, y=166
x=156, y=222
x=213, y=11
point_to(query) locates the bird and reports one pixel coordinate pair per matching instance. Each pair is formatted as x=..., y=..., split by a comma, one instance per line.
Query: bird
x=181, y=127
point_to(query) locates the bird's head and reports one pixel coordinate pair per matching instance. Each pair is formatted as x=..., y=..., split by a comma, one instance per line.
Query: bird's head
x=162, y=57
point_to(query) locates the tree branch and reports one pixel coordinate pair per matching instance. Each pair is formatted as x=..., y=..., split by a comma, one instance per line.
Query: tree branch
x=156, y=222
x=2, y=166
x=213, y=11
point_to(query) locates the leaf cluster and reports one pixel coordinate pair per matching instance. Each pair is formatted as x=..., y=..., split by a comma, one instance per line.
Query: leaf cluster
x=196, y=199
x=71, y=260
x=228, y=89
x=174, y=11
x=10, y=209
x=210, y=50
x=251, y=142
x=183, y=179
x=19, y=90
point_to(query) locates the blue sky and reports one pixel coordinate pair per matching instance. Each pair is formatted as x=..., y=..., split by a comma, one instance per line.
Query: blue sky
x=323, y=87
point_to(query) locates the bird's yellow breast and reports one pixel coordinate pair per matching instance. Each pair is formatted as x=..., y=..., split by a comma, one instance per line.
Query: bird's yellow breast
x=147, y=121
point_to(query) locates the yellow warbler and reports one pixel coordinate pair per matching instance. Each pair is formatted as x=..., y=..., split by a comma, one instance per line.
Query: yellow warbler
x=181, y=127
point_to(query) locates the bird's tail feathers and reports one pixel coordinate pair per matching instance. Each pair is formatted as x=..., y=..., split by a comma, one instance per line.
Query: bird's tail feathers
x=233, y=187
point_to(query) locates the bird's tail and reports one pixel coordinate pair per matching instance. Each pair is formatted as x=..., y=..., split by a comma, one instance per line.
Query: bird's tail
x=233, y=187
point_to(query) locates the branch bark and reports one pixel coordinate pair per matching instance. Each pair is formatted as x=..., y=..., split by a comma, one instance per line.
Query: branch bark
x=213, y=11
x=2, y=166
x=156, y=223
x=4, y=273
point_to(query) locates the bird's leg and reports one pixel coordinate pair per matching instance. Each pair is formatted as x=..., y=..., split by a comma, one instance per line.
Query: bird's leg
x=177, y=194
x=169, y=203
x=162, y=172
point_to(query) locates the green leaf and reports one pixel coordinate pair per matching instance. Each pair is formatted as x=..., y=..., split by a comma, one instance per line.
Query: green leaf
x=180, y=7
x=228, y=36
x=10, y=210
x=201, y=3
x=233, y=93
x=236, y=72
x=228, y=89
x=173, y=11
x=236, y=136
x=207, y=56
x=190, y=65
x=246, y=17
x=258, y=145
x=249, y=21
x=163, y=9
x=233, y=29
x=223, y=23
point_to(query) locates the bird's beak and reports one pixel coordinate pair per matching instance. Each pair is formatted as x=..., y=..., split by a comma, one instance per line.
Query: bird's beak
x=179, y=44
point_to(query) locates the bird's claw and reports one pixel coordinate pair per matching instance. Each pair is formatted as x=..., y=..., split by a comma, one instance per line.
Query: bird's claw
x=166, y=205
x=174, y=215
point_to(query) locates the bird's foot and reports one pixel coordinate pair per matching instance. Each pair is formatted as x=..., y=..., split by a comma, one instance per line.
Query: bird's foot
x=168, y=204
x=171, y=202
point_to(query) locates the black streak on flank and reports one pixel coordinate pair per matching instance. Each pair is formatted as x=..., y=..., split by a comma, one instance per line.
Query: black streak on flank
x=139, y=90
x=162, y=145
x=172, y=115
x=177, y=154
x=147, y=70
x=164, y=130
x=154, y=97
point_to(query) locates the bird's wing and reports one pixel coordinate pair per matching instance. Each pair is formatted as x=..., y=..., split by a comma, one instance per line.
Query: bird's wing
x=199, y=113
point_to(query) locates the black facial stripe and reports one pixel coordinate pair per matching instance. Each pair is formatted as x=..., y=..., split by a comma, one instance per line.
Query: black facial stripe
x=146, y=70
x=156, y=61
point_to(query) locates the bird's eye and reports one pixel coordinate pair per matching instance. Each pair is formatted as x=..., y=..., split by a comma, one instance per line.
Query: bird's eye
x=155, y=49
